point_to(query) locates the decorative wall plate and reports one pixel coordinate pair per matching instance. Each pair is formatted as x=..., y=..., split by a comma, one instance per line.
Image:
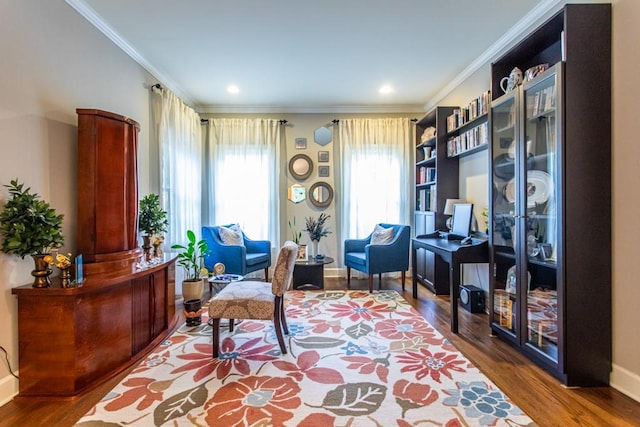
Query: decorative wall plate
x=539, y=188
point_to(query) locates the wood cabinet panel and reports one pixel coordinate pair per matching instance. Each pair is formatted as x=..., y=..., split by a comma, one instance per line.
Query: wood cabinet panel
x=71, y=339
x=107, y=188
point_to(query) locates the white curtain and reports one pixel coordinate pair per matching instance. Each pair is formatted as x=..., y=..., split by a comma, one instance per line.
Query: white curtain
x=243, y=175
x=376, y=173
x=181, y=156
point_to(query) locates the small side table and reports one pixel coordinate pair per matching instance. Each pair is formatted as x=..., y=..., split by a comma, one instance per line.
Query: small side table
x=219, y=282
x=309, y=274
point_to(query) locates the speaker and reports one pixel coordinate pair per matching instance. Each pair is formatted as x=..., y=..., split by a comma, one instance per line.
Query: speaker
x=472, y=298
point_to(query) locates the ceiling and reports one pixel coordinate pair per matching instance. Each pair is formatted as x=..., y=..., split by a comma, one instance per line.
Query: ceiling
x=304, y=56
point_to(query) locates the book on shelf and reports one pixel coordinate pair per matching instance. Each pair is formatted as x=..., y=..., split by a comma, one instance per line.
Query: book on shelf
x=463, y=115
x=474, y=137
x=431, y=174
x=432, y=199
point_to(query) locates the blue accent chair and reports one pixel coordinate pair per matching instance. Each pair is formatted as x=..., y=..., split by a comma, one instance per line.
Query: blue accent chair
x=377, y=259
x=237, y=259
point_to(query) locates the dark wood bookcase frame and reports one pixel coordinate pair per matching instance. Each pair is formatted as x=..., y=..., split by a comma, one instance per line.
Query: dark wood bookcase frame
x=578, y=40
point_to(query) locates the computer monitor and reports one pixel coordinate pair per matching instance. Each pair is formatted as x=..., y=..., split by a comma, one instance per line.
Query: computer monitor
x=461, y=221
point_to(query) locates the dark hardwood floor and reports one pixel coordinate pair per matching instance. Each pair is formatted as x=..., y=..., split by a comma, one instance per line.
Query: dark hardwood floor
x=540, y=395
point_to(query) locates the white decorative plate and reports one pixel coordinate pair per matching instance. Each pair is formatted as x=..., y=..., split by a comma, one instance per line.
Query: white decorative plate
x=539, y=188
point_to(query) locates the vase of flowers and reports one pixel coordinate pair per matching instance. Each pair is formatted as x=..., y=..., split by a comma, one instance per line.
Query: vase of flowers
x=29, y=226
x=317, y=229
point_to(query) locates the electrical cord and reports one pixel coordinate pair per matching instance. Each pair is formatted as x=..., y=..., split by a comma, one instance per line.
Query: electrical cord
x=478, y=274
x=6, y=356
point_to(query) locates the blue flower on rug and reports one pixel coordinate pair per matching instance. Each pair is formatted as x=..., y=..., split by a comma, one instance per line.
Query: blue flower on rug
x=481, y=402
x=295, y=329
x=229, y=355
x=376, y=348
x=352, y=348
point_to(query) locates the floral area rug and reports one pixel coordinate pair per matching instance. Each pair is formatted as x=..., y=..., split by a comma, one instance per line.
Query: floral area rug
x=354, y=359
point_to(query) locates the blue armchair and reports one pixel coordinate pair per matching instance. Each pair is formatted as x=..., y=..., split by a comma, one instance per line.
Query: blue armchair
x=237, y=259
x=377, y=259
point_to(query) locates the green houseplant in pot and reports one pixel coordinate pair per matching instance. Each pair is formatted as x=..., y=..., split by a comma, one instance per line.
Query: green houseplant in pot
x=29, y=226
x=152, y=220
x=191, y=258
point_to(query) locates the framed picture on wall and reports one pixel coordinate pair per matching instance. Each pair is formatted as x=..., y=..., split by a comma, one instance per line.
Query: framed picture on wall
x=323, y=171
x=301, y=143
x=323, y=156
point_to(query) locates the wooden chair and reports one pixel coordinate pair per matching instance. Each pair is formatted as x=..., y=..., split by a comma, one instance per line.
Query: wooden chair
x=256, y=300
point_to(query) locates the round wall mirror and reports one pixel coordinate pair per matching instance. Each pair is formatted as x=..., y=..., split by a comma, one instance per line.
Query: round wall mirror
x=300, y=166
x=321, y=194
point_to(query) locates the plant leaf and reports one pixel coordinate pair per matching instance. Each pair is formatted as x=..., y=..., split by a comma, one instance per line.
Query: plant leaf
x=355, y=399
x=178, y=405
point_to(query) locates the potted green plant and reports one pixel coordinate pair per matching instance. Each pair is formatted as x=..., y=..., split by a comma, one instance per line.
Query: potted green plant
x=152, y=220
x=295, y=236
x=191, y=258
x=29, y=226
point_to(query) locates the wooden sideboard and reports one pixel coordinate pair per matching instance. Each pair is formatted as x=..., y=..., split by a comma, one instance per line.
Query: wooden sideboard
x=71, y=339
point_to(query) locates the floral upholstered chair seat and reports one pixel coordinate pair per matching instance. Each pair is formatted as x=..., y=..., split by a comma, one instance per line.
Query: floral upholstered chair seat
x=244, y=300
x=256, y=300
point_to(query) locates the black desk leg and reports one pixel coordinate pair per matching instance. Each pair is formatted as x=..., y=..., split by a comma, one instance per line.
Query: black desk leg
x=414, y=273
x=454, y=291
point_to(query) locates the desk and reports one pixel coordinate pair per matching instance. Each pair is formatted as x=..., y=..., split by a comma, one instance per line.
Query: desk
x=309, y=274
x=454, y=254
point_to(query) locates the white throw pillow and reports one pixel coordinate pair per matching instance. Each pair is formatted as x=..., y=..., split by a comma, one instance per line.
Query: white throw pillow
x=231, y=235
x=381, y=235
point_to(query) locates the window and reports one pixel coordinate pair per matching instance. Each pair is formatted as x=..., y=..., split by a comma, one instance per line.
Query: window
x=375, y=183
x=242, y=171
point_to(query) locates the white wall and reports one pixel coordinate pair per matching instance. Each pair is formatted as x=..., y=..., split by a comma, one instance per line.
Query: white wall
x=53, y=61
x=626, y=197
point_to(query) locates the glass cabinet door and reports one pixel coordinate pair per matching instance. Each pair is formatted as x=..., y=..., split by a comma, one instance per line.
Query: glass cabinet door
x=541, y=136
x=505, y=124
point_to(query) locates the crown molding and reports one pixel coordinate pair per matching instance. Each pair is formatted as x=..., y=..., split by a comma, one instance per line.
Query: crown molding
x=508, y=39
x=96, y=20
x=310, y=109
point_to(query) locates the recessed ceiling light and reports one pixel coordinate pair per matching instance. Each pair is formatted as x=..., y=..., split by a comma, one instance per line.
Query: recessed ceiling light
x=385, y=89
x=233, y=89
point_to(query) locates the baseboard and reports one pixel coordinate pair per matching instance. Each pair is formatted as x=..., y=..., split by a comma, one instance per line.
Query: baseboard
x=335, y=272
x=625, y=382
x=8, y=389
x=342, y=272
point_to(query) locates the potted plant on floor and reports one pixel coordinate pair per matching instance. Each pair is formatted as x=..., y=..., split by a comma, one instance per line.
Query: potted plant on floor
x=191, y=258
x=152, y=221
x=29, y=226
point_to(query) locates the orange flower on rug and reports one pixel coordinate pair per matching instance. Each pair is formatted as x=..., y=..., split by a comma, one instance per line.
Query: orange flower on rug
x=355, y=359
